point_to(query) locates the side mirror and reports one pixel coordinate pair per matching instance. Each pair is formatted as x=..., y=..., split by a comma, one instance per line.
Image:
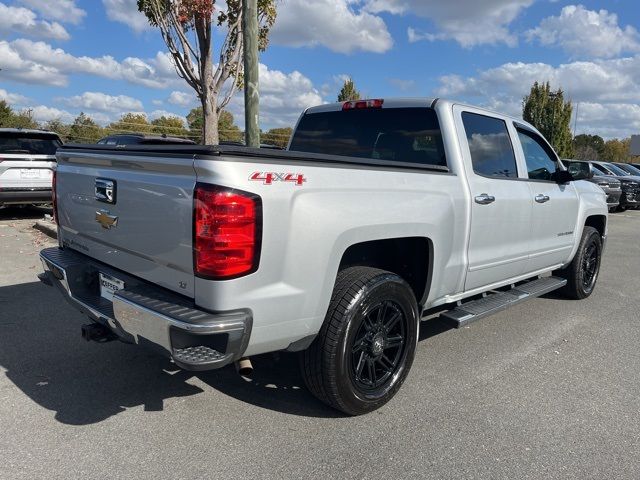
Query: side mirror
x=575, y=170
x=563, y=176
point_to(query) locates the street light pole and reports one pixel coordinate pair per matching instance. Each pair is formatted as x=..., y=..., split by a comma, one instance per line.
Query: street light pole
x=251, y=91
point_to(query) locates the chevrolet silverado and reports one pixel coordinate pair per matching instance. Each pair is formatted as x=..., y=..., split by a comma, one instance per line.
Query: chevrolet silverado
x=380, y=214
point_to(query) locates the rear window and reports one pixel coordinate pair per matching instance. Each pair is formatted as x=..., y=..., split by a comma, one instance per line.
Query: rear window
x=410, y=135
x=28, y=143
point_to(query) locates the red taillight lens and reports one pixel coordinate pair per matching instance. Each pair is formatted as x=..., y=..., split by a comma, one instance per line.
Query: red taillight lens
x=54, y=199
x=227, y=228
x=358, y=104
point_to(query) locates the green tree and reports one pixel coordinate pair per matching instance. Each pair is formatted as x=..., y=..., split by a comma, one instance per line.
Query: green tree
x=278, y=136
x=6, y=113
x=551, y=115
x=131, y=123
x=23, y=119
x=588, y=147
x=616, y=150
x=348, y=91
x=56, y=125
x=84, y=130
x=171, y=125
x=228, y=131
x=185, y=26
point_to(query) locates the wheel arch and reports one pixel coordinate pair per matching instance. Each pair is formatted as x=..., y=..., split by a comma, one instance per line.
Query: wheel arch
x=409, y=257
x=599, y=222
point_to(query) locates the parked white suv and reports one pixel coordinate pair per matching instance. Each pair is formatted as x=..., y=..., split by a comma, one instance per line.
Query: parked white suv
x=27, y=161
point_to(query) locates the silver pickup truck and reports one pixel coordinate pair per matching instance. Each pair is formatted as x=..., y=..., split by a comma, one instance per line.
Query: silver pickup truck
x=380, y=214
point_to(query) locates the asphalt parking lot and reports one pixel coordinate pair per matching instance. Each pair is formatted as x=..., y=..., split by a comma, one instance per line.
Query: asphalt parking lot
x=547, y=389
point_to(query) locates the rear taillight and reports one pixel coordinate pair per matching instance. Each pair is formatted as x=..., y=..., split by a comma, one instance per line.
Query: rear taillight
x=54, y=199
x=358, y=104
x=227, y=228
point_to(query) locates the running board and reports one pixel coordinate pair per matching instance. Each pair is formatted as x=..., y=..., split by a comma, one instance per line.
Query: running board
x=474, y=310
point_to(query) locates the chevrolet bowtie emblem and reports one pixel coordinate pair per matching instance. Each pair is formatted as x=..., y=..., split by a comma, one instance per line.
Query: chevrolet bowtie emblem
x=106, y=220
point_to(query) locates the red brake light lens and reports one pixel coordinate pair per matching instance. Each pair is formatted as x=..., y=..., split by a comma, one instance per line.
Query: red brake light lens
x=227, y=228
x=358, y=104
x=54, y=199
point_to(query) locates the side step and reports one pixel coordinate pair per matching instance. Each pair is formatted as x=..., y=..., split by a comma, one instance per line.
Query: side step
x=474, y=310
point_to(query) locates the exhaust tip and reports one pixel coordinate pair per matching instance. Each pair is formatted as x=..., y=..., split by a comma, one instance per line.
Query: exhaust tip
x=244, y=367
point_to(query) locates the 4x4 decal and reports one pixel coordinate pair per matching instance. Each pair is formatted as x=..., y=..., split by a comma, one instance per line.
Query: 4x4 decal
x=268, y=178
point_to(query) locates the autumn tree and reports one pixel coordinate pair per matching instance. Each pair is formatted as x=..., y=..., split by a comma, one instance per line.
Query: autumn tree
x=57, y=126
x=551, y=115
x=278, y=136
x=22, y=119
x=84, y=130
x=348, y=91
x=228, y=130
x=131, y=123
x=171, y=125
x=616, y=150
x=186, y=28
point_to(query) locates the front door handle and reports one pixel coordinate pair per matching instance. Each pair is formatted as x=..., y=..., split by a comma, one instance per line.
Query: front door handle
x=485, y=199
x=542, y=198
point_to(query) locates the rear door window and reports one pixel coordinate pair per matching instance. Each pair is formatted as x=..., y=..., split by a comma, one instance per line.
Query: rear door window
x=490, y=146
x=28, y=143
x=410, y=135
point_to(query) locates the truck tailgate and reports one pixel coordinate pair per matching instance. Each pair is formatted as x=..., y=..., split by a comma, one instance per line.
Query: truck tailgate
x=143, y=226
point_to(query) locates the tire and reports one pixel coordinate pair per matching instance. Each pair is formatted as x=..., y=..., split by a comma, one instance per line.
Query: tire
x=367, y=342
x=582, y=272
x=622, y=208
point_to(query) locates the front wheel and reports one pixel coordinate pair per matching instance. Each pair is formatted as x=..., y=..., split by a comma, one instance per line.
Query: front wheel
x=582, y=272
x=367, y=343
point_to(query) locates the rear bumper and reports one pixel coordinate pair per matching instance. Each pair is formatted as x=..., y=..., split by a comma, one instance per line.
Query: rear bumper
x=143, y=313
x=25, y=196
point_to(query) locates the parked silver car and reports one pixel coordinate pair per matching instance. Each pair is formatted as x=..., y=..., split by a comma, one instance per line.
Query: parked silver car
x=27, y=160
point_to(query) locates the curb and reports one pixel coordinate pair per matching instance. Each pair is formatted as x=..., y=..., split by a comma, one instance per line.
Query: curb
x=48, y=228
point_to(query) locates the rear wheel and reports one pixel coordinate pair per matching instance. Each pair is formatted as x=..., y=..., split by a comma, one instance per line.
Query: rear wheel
x=367, y=343
x=582, y=272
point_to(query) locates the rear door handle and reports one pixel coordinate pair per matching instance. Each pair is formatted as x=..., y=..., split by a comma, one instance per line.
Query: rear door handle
x=542, y=198
x=485, y=199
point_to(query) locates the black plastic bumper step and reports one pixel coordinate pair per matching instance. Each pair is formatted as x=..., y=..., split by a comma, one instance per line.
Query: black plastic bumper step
x=476, y=309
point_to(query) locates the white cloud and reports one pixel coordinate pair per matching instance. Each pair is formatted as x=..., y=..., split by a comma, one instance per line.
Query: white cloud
x=608, y=91
x=24, y=21
x=42, y=113
x=334, y=24
x=63, y=10
x=283, y=97
x=14, y=67
x=13, y=98
x=164, y=113
x=40, y=63
x=182, y=99
x=468, y=22
x=102, y=102
x=126, y=11
x=581, y=32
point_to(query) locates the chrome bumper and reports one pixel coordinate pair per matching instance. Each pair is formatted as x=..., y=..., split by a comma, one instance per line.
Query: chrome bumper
x=142, y=313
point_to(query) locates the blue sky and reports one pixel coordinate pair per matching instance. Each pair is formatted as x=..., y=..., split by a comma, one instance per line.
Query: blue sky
x=99, y=56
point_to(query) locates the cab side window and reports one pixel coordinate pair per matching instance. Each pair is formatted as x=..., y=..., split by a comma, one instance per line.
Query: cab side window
x=490, y=146
x=541, y=162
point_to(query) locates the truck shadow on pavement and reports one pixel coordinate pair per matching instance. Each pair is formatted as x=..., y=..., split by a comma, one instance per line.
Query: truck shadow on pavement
x=85, y=383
